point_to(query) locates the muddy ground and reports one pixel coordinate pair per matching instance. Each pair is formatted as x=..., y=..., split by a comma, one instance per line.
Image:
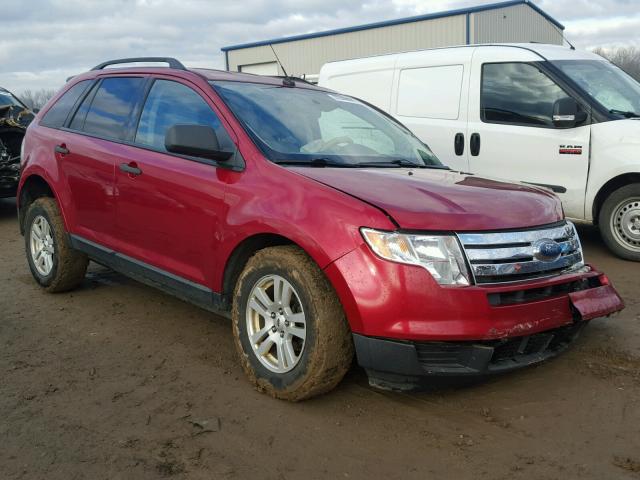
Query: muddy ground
x=117, y=380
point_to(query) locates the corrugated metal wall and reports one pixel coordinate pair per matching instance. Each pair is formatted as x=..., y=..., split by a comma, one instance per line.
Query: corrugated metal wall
x=519, y=23
x=308, y=56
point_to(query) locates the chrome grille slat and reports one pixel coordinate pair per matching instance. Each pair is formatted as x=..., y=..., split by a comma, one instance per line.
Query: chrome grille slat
x=498, y=257
x=513, y=253
x=523, y=236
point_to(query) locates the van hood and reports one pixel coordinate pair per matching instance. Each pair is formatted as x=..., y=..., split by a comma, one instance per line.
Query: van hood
x=433, y=199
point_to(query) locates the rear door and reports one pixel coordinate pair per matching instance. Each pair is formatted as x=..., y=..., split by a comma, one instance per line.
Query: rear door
x=170, y=213
x=430, y=98
x=87, y=150
x=511, y=126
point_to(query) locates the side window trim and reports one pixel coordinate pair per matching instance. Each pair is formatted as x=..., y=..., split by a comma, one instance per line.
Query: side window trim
x=136, y=112
x=522, y=124
x=140, y=108
x=88, y=95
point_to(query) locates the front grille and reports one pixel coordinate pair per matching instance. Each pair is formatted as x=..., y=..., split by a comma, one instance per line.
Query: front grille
x=509, y=256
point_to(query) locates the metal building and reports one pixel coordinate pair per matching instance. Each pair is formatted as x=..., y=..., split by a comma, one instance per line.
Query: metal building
x=304, y=55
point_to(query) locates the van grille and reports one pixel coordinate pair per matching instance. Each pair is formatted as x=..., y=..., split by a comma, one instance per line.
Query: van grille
x=509, y=256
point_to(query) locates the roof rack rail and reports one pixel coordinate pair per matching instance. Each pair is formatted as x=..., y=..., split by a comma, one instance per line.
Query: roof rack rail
x=173, y=63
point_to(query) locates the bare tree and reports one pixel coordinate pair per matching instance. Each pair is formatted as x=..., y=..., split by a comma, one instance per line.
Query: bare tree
x=36, y=98
x=627, y=58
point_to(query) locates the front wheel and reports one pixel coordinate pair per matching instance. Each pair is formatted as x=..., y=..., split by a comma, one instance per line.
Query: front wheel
x=619, y=222
x=289, y=327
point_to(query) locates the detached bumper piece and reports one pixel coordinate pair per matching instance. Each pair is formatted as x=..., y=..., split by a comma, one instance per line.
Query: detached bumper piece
x=403, y=365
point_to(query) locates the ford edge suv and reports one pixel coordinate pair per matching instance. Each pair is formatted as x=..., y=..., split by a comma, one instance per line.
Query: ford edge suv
x=317, y=223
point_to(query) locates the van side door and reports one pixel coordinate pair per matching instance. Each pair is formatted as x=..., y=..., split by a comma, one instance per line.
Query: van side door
x=430, y=98
x=512, y=130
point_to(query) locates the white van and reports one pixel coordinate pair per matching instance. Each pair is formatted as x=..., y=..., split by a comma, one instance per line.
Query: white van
x=541, y=114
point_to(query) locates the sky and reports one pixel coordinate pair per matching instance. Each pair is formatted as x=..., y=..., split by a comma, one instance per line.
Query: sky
x=45, y=41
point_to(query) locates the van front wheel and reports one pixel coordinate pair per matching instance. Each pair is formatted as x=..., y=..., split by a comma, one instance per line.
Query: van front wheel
x=619, y=222
x=289, y=327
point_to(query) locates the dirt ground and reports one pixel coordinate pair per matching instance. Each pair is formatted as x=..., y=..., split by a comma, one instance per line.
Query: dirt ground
x=117, y=380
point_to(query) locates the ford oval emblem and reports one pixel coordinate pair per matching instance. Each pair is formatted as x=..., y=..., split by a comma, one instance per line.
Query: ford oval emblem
x=547, y=250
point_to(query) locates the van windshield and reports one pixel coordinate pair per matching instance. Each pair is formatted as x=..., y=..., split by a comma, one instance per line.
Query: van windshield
x=607, y=84
x=318, y=128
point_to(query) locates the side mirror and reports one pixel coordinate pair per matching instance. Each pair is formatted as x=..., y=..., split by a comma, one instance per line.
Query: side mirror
x=196, y=141
x=567, y=113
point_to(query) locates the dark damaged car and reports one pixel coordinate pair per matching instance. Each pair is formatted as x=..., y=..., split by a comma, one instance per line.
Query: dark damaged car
x=15, y=117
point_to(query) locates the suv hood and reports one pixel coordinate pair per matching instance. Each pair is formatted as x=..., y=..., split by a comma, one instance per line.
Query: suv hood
x=430, y=199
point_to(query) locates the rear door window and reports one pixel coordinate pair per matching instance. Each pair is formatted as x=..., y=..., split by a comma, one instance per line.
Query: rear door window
x=518, y=93
x=172, y=103
x=109, y=114
x=57, y=114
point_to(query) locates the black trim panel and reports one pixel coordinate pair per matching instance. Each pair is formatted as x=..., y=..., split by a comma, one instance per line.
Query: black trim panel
x=555, y=188
x=153, y=276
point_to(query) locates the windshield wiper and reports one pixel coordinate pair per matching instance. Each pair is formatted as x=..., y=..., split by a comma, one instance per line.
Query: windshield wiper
x=314, y=162
x=625, y=113
x=400, y=164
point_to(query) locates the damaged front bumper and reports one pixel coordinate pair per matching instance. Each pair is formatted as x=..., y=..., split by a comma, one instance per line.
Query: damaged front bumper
x=409, y=365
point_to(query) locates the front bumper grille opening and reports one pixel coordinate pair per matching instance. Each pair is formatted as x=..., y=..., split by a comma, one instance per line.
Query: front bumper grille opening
x=494, y=355
x=541, y=293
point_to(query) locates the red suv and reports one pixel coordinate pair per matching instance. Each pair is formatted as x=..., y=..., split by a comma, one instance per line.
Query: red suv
x=318, y=223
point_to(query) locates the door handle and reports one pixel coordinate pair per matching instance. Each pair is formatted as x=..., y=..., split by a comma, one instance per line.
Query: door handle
x=474, y=144
x=458, y=143
x=130, y=168
x=62, y=149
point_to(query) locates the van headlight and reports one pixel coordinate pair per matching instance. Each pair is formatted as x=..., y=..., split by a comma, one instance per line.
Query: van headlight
x=439, y=254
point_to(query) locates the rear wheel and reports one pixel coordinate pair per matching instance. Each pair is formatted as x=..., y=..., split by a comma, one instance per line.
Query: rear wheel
x=619, y=221
x=289, y=327
x=53, y=263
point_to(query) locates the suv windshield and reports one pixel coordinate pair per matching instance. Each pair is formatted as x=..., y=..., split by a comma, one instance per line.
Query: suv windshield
x=610, y=86
x=313, y=127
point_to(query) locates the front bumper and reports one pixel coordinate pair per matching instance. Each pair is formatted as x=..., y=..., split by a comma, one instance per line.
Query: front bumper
x=398, y=365
x=408, y=329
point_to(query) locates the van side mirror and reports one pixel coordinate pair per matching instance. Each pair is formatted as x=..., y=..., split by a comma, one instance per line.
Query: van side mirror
x=195, y=141
x=567, y=113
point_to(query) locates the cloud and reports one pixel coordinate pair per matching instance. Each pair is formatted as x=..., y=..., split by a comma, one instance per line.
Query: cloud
x=44, y=41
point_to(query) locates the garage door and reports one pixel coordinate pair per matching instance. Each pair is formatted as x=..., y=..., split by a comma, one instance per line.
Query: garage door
x=270, y=68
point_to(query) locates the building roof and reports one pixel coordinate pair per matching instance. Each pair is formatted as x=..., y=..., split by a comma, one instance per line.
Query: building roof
x=399, y=21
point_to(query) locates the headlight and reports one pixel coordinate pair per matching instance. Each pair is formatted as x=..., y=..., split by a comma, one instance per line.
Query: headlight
x=439, y=254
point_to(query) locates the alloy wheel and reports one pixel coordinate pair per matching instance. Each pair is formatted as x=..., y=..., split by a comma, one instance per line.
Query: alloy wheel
x=276, y=323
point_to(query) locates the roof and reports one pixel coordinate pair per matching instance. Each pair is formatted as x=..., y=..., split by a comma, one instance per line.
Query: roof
x=399, y=21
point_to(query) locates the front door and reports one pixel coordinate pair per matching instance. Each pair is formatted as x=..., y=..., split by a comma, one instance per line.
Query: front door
x=512, y=133
x=170, y=208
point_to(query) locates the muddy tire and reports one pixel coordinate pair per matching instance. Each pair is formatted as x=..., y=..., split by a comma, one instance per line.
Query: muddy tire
x=290, y=329
x=619, y=222
x=53, y=263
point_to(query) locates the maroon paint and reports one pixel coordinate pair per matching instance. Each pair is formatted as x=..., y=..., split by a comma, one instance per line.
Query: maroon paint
x=187, y=218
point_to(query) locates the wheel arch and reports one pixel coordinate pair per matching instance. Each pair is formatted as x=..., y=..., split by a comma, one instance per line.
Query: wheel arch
x=241, y=254
x=33, y=187
x=609, y=187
